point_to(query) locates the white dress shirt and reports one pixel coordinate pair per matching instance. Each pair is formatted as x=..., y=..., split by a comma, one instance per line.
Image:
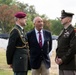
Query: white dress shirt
x=37, y=35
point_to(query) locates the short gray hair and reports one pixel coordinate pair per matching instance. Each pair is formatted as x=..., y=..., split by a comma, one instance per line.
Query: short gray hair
x=36, y=19
x=15, y=18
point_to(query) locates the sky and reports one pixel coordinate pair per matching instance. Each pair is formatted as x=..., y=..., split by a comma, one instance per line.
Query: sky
x=52, y=8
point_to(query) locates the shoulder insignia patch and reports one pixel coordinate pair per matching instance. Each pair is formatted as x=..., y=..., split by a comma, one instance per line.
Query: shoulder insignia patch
x=75, y=29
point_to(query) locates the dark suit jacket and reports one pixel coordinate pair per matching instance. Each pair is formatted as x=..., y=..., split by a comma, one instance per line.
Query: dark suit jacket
x=38, y=54
x=66, y=49
x=17, y=52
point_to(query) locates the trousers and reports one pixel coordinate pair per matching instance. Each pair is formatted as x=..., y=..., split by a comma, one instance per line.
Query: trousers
x=20, y=73
x=67, y=72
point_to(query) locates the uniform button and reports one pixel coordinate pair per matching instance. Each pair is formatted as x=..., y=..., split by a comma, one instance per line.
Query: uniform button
x=41, y=56
x=41, y=49
x=20, y=57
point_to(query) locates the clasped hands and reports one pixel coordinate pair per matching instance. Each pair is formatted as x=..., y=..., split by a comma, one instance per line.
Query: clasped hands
x=58, y=60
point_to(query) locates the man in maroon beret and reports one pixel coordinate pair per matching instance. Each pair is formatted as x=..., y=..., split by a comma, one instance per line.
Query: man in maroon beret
x=17, y=51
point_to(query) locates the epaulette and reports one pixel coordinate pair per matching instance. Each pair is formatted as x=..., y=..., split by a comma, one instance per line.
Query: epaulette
x=12, y=29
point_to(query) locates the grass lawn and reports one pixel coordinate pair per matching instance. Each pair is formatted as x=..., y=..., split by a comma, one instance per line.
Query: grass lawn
x=4, y=68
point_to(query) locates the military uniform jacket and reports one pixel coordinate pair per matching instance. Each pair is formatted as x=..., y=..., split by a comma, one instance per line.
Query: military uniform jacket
x=17, y=52
x=66, y=49
x=37, y=53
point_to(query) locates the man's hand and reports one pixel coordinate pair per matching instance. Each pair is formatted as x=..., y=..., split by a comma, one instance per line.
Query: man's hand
x=58, y=61
x=10, y=65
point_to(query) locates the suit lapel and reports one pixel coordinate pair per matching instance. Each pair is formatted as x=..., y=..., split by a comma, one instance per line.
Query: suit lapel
x=35, y=38
x=61, y=33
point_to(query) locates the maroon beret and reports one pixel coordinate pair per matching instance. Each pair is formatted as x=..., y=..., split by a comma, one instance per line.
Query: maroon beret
x=20, y=15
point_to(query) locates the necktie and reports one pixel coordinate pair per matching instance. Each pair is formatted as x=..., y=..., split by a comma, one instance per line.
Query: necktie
x=40, y=39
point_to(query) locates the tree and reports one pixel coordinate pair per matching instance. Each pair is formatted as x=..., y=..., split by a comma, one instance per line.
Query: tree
x=10, y=10
x=7, y=2
x=56, y=26
x=47, y=24
x=7, y=17
x=29, y=9
x=29, y=25
x=23, y=7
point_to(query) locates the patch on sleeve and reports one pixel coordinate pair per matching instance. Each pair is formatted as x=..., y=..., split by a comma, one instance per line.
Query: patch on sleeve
x=75, y=31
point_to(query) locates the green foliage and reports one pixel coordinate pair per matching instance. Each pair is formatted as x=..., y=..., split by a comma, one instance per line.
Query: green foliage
x=7, y=2
x=23, y=7
x=7, y=17
x=29, y=25
x=47, y=24
x=9, y=7
x=56, y=26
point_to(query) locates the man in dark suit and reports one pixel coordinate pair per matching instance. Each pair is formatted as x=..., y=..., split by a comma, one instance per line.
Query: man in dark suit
x=17, y=52
x=40, y=44
x=66, y=51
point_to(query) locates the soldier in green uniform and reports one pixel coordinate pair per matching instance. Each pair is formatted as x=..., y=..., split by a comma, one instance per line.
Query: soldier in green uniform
x=66, y=51
x=17, y=52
